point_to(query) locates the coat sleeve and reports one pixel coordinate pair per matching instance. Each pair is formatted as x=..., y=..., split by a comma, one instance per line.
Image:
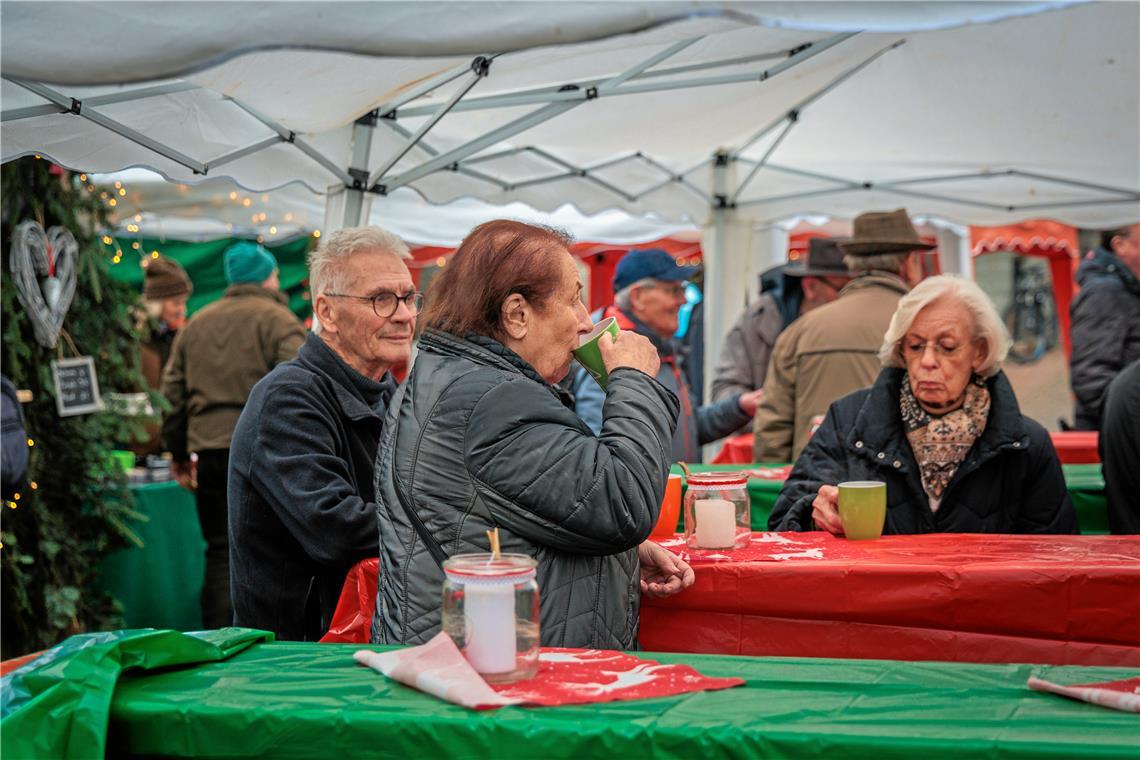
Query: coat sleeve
x=733, y=373
x=589, y=399
x=295, y=467
x=1098, y=330
x=720, y=418
x=174, y=424
x=1046, y=506
x=774, y=427
x=823, y=462
x=544, y=477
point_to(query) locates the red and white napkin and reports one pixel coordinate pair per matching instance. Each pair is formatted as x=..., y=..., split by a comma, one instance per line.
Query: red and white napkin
x=1118, y=695
x=565, y=676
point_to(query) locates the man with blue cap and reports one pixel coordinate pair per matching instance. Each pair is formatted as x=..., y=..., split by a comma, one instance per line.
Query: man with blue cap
x=649, y=292
x=215, y=361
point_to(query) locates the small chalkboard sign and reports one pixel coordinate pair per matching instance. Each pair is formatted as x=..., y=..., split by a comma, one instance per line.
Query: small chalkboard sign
x=76, y=387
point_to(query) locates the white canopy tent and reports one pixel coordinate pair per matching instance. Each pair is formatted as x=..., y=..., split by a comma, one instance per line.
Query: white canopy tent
x=214, y=208
x=730, y=115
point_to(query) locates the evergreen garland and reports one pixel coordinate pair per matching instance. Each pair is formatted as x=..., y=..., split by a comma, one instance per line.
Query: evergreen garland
x=76, y=506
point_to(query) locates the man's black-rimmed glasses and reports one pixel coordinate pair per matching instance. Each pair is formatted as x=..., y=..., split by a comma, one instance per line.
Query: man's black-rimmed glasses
x=386, y=303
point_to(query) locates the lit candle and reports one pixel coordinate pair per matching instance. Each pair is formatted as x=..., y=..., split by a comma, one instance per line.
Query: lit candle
x=489, y=621
x=716, y=523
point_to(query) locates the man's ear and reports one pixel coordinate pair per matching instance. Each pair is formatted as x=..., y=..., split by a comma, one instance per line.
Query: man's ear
x=322, y=308
x=515, y=316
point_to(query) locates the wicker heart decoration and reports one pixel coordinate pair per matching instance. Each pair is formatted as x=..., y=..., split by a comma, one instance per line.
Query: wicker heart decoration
x=52, y=255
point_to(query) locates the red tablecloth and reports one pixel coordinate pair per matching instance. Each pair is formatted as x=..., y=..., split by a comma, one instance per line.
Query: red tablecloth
x=1073, y=447
x=974, y=598
x=1076, y=446
x=736, y=450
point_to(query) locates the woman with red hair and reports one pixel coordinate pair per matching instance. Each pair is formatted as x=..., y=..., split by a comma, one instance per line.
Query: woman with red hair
x=479, y=437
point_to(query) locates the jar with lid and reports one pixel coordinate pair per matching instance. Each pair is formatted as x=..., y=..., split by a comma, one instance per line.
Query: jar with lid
x=717, y=511
x=490, y=610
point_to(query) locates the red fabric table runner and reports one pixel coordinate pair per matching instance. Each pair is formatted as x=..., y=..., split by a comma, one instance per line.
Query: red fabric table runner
x=1061, y=600
x=1073, y=447
x=965, y=597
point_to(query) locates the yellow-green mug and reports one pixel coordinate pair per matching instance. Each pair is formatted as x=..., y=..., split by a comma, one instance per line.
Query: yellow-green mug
x=863, y=508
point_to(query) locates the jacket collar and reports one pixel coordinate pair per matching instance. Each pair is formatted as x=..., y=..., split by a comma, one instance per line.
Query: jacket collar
x=348, y=384
x=485, y=350
x=876, y=279
x=1105, y=263
x=242, y=289
x=878, y=427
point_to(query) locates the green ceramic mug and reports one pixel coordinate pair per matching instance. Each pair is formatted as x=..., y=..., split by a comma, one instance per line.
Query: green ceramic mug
x=587, y=352
x=863, y=508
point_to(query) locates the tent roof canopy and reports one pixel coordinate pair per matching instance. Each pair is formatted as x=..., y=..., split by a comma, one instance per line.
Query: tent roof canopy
x=979, y=113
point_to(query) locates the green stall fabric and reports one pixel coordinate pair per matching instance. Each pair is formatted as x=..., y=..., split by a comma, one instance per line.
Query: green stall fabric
x=304, y=700
x=203, y=262
x=57, y=705
x=160, y=584
x=1086, y=488
x=1084, y=481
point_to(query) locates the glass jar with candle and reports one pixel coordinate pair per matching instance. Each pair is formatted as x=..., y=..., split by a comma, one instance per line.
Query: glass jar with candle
x=490, y=610
x=717, y=512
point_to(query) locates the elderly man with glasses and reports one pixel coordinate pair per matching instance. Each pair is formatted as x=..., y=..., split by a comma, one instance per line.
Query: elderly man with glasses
x=649, y=292
x=301, y=491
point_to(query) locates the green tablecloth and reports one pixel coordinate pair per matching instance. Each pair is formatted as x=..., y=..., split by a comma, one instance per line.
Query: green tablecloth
x=310, y=700
x=160, y=585
x=1084, y=481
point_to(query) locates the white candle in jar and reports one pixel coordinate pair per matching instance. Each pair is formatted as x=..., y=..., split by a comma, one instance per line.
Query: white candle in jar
x=489, y=623
x=716, y=523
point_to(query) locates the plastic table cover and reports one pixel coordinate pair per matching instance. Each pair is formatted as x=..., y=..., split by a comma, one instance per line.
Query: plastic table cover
x=286, y=700
x=57, y=704
x=1084, y=482
x=952, y=597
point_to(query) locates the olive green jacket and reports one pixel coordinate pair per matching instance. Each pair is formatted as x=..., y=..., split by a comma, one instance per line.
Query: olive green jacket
x=217, y=358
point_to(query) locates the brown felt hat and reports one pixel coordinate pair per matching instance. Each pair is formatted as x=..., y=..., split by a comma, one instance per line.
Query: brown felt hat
x=823, y=259
x=883, y=232
x=165, y=278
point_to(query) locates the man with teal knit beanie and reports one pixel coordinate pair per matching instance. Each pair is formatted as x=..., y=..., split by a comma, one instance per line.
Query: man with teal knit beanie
x=219, y=355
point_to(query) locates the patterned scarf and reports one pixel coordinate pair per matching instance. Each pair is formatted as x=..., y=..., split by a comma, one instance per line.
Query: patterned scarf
x=940, y=443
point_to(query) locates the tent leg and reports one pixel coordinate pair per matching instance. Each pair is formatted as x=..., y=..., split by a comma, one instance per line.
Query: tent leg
x=727, y=244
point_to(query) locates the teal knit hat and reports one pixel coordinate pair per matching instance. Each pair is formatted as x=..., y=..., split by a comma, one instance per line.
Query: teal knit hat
x=246, y=261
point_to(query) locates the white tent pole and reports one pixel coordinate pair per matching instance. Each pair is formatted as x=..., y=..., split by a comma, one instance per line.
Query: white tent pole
x=954, y=252
x=716, y=262
x=427, y=148
x=361, y=150
x=289, y=136
x=479, y=70
x=76, y=107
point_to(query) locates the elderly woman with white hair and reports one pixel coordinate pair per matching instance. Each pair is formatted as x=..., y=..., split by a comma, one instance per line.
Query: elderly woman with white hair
x=940, y=426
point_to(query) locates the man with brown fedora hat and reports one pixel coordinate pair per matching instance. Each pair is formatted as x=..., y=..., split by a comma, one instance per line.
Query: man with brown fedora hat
x=833, y=350
x=807, y=282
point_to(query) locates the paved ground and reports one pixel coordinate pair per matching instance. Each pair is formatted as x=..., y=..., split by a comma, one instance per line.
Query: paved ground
x=1042, y=388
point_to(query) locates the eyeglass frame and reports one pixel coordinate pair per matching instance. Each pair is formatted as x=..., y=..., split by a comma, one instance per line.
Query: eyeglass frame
x=675, y=288
x=407, y=299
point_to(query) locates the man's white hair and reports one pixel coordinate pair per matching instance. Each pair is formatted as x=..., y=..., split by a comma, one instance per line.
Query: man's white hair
x=985, y=325
x=327, y=273
x=622, y=297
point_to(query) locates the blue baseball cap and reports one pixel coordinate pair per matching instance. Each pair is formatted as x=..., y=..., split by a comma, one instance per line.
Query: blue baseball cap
x=649, y=263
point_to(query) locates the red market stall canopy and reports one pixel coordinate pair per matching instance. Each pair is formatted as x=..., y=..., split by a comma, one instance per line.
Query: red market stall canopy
x=1042, y=238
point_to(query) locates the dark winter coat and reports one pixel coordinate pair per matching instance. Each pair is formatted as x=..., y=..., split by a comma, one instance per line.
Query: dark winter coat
x=1009, y=482
x=1105, y=332
x=302, y=504
x=477, y=439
